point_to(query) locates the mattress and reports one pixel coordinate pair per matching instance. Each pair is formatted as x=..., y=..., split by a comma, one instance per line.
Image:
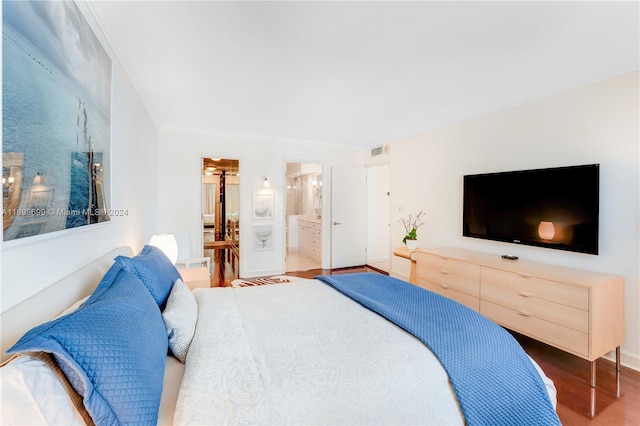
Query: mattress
x=304, y=353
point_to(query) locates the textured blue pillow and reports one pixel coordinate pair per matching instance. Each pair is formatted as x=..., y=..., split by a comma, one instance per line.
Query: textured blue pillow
x=154, y=269
x=112, y=350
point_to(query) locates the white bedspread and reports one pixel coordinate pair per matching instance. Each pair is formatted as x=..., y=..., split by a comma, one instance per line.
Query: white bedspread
x=302, y=353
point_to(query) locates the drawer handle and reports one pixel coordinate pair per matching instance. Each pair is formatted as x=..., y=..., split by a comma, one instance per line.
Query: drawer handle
x=524, y=294
x=524, y=314
x=523, y=275
x=444, y=271
x=444, y=286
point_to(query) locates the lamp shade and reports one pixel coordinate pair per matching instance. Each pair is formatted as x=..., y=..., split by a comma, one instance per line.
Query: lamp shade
x=167, y=243
x=546, y=230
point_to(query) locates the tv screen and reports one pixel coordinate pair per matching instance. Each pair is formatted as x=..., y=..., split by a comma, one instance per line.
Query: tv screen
x=555, y=208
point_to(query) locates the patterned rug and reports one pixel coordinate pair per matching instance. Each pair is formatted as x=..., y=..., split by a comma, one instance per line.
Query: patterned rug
x=261, y=281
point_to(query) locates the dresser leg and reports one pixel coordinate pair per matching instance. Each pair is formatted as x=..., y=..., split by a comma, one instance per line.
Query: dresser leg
x=618, y=359
x=618, y=372
x=592, y=405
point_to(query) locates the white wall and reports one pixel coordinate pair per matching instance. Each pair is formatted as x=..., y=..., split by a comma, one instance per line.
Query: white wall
x=598, y=123
x=31, y=265
x=180, y=178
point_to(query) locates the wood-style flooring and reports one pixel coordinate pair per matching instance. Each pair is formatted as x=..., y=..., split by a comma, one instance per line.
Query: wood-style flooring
x=570, y=374
x=224, y=265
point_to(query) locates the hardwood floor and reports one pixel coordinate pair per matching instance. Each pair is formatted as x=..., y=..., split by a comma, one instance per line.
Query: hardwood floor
x=224, y=265
x=612, y=406
x=571, y=377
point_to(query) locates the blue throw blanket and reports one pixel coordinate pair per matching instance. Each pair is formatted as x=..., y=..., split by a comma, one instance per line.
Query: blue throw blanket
x=494, y=380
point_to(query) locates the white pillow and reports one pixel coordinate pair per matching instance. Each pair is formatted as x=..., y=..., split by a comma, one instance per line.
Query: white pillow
x=73, y=307
x=180, y=316
x=32, y=394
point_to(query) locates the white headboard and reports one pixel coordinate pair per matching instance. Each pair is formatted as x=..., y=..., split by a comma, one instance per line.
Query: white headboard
x=45, y=305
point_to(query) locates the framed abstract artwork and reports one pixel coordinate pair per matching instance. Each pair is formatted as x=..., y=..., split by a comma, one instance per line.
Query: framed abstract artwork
x=56, y=120
x=263, y=205
x=263, y=237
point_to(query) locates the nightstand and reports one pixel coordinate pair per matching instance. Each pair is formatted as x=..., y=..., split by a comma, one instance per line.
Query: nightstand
x=196, y=277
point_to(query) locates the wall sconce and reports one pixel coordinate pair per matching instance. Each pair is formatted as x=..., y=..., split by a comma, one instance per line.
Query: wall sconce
x=265, y=182
x=38, y=179
x=167, y=243
x=546, y=230
x=7, y=182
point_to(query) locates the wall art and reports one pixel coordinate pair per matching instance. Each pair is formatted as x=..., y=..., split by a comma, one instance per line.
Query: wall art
x=263, y=237
x=56, y=120
x=263, y=205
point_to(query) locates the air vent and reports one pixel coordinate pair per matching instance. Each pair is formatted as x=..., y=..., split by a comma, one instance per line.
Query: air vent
x=379, y=150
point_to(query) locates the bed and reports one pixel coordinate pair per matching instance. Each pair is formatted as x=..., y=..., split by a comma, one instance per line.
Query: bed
x=302, y=352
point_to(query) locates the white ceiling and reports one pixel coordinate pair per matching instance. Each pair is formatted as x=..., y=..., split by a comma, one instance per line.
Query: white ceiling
x=359, y=73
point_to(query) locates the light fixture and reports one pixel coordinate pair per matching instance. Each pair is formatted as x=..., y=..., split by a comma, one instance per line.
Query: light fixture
x=265, y=182
x=7, y=182
x=546, y=230
x=39, y=177
x=167, y=243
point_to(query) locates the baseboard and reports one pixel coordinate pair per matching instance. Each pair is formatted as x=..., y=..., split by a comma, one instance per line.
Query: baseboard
x=378, y=260
x=262, y=273
x=400, y=276
x=627, y=359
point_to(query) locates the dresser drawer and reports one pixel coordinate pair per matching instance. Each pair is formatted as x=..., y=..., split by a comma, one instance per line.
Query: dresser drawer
x=447, y=279
x=449, y=265
x=315, y=252
x=564, y=315
x=471, y=301
x=554, y=334
x=506, y=287
x=315, y=241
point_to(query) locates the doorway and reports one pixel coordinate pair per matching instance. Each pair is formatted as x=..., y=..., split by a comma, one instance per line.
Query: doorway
x=220, y=218
x=303, y=217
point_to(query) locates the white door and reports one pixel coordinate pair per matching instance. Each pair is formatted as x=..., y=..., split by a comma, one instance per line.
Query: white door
x=378, y=245
x=348, y=216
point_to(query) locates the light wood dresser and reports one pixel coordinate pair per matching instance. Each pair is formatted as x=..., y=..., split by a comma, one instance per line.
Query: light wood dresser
x=580, y=312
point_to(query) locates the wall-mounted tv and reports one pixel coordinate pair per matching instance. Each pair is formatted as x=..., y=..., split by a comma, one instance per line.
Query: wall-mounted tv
x=555, y=208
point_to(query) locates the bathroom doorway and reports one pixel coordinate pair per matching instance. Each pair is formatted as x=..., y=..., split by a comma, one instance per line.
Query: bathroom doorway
x=303, y=217
x=220, y=217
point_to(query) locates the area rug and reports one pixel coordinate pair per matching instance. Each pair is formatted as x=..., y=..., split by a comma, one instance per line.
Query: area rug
x=262, y=281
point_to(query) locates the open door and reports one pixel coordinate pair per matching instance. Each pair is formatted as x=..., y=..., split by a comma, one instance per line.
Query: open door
x=220, y=213
x=348, y=216
x=303, y=217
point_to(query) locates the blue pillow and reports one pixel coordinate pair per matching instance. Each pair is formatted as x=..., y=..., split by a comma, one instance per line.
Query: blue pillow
x=112, y=350
x=154, y=269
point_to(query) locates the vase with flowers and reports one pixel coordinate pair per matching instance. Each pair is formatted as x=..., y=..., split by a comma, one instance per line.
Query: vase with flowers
x=411, y=225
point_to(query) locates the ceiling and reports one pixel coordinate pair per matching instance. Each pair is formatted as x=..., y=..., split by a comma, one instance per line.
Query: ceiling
x=218, y=165
x=359, y=73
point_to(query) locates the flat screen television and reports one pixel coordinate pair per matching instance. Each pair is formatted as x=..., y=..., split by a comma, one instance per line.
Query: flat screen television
x=556, y=208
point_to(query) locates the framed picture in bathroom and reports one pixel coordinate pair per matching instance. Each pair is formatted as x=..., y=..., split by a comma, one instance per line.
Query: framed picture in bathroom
x=262, y=205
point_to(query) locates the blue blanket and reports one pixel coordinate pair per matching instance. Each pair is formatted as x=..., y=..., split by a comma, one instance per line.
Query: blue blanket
x=494, y=380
